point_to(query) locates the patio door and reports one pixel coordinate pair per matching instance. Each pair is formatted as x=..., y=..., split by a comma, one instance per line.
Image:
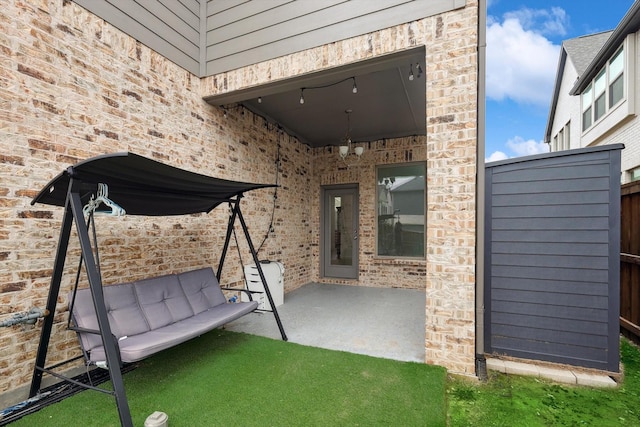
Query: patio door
x=340, y=232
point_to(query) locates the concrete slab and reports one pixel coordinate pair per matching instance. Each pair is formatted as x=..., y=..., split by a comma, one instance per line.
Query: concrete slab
x=380, y=322
x=595, y=380
x=518, y=368
x=496, y=365
x=558, y=375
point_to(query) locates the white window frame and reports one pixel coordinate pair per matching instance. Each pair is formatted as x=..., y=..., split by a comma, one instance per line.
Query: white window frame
x=622, y=109
x=562, y=140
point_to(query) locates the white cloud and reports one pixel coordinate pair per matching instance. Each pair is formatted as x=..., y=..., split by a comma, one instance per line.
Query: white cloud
x=495, y=156
x=518, y=146
x=521, y=61
x=522, y=147
x=543, y=21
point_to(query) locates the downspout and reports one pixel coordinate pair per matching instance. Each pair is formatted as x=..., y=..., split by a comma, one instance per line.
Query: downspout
x=480, y=362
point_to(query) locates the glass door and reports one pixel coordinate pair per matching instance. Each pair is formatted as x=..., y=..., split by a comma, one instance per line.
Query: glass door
x=340, y=232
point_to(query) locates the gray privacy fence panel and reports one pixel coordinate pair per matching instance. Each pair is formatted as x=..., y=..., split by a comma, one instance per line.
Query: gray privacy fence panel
x=552, y=257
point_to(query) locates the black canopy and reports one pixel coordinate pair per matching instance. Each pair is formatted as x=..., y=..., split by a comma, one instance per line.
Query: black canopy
x=142, y=186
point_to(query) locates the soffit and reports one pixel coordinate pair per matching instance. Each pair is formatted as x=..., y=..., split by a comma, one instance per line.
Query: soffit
x=387, y=104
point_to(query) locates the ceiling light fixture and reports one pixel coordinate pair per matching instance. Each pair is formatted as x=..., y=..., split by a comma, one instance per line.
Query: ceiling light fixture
x=345, y=147
x=410, y=73
x=355, y=88
x=419, y=69
x=302, y=96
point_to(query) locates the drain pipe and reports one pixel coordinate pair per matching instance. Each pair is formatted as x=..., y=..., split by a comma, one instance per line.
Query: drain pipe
x=480, y=362
x=28, y=318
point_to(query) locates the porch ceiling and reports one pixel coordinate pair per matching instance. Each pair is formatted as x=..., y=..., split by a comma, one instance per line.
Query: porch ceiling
x=387, y=104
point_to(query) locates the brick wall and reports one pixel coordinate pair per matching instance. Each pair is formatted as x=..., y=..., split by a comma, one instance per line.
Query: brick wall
x=328, y=170
x=74, y=87
x=450, y=41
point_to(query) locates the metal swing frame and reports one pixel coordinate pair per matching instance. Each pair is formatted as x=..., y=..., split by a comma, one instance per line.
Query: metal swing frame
x=73, y=213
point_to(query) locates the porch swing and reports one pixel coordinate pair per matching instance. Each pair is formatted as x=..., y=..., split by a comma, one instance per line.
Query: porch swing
x=169, y=309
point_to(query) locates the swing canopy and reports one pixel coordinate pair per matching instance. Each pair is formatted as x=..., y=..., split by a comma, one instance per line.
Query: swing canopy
x=142, y=186
x=139, y=186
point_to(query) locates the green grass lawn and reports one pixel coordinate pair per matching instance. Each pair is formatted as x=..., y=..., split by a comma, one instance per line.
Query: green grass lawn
x=232, y=379
x=508, y=400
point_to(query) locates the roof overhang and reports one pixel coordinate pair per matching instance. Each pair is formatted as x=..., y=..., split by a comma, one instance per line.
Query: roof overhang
x=630, y=23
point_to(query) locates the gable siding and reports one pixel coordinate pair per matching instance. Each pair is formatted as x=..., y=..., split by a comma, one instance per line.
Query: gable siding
x=552, y=257
x=221, y=35
x=169, y=27
x=241, y=33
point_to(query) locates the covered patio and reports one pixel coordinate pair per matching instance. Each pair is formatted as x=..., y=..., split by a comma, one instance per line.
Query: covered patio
x=379, y=322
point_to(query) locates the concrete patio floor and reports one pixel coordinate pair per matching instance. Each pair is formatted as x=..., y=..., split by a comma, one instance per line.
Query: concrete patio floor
x=380, y=322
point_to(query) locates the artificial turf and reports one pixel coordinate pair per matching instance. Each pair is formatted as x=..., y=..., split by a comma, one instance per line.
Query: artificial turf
x=231, y=379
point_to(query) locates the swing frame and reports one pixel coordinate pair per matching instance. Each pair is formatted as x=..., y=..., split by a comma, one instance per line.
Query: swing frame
x=133, y=181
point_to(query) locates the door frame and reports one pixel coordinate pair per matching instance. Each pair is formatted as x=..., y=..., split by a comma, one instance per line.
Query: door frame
x=325, y=227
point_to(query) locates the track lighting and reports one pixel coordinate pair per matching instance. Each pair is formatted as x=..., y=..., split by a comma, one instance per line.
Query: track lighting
x=355, y=88
x=410, y=73
x=302, y=96
x=259, y=100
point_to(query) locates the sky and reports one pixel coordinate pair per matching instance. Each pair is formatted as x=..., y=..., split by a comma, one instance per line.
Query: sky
x=523, y=48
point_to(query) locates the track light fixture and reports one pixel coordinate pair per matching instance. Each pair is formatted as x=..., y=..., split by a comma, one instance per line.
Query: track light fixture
x=302, y=96
x=410, y=72
x=355, y=88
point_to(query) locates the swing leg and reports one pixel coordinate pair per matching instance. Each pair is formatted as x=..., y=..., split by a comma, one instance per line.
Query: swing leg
x=54, y=290
x=260, y=272
x=95, y=283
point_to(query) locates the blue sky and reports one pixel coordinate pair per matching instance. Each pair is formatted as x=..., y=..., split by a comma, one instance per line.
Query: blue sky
x=523, y=47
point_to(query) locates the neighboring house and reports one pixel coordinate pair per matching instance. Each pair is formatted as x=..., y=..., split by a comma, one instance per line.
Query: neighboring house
x=595, y=99
x=172, y=81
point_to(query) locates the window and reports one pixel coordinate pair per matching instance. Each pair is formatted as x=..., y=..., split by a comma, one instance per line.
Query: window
x=561, y=140
x=400, y=210
x=606, y=90
x=586, y=109
x=616, y=77
x=634, y=174
x=599, y=89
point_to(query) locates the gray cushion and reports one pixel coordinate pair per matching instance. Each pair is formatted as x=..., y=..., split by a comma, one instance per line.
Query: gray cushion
x=123, y=312
x=162, y=300
x=137, y=347
x=151, y=315
x=202, y=289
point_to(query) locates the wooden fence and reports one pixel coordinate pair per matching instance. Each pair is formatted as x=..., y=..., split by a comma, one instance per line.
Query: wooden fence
x=630, y=261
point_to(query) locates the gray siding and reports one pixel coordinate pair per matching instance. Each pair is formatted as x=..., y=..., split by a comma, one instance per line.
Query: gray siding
x=212, y=36
x=170, y=27
x=241, y=32
x=552, y=257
